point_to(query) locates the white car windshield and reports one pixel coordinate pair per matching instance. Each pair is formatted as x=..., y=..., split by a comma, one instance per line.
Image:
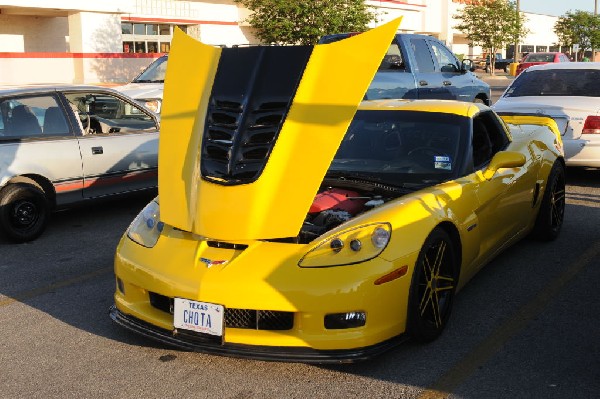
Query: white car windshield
x=155, y=73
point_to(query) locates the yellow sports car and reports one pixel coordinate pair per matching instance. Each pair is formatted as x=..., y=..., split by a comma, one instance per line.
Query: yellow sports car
x=294, y=224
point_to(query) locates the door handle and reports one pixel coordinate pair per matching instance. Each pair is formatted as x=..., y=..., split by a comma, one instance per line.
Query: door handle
x=423, y=83
x=97, y=150
x=447, y=83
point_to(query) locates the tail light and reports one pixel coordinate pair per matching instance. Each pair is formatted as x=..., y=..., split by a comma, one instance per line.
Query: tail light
x=591, y=125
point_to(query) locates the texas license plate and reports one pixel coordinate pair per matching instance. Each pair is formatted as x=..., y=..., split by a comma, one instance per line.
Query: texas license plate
x=197, y=316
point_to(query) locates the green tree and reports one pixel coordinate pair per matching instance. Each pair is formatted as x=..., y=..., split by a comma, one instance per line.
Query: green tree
x=578, y=27
x=491, y=24
x=305, y=21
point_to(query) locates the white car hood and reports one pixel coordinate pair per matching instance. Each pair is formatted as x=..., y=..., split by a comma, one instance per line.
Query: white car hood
x=142, y=91
x=568, y=112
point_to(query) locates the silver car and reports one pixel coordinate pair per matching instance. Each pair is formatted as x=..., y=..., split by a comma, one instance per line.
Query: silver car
x=63, y=145
x=147, y=87
x=569, y=92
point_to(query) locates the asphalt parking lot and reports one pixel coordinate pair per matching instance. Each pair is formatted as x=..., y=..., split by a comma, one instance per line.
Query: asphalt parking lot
x=525, y=327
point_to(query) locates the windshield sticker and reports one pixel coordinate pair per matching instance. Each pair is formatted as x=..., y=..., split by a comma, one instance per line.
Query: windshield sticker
x=442, y=162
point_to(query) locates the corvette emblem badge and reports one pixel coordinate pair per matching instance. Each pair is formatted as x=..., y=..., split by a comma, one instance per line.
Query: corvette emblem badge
x=210, y=263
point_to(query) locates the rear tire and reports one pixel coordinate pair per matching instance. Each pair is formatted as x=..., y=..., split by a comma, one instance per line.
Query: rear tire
x=433, y=287
x=23, y=211
x=550, y=217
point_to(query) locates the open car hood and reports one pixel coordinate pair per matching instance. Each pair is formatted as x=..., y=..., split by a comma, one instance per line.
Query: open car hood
x=248, y=133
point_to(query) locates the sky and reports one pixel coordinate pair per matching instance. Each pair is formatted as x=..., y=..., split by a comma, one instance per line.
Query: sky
x=557, y=7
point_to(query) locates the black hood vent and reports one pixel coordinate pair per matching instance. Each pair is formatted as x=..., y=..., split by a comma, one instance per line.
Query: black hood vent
x=251, y=95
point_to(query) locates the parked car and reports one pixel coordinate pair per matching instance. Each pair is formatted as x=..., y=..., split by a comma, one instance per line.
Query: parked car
x=499, y=63
x=539, y=59
x=422, y=67
x=63, y=145
x=292, y=227
x=147, y=87
x=570, y=94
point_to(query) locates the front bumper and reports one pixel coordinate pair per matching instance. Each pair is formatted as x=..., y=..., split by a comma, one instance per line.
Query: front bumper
x=264, y=278
x=272, y=353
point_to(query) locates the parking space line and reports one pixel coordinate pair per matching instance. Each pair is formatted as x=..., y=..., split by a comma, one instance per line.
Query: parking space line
x=444, y=386
x=60, y=284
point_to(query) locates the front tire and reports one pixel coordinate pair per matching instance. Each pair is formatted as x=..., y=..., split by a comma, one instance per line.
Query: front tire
x=433, y=287
x=550, y=217
x=23, y=211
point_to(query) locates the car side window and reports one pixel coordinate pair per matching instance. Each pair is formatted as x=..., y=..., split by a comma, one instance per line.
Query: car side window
x=392, y=60
x=32, y=116
x=422, y=55
x=446, y=60
x=104, y=113
x=488, y=139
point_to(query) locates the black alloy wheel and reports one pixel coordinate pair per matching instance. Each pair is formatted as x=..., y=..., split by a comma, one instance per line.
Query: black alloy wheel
x=433, y=287
x=550, y=218
x=23, y=211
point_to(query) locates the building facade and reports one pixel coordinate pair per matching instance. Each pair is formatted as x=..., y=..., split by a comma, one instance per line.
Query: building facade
x=110, y=41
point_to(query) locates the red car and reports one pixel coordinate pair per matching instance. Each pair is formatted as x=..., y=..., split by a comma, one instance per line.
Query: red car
x=540, y=58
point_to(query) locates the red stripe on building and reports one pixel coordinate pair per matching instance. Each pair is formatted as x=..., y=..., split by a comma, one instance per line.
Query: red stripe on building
x=79, y=55
x=177, y=21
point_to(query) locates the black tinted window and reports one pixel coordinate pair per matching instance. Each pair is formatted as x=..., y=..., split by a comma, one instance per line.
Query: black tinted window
x=423, y=55
x=557, y=82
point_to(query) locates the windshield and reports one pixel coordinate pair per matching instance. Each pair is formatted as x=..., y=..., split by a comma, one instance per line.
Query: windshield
x=401, y=148
x=539, y=57
x=556, y=82
x=155, y=73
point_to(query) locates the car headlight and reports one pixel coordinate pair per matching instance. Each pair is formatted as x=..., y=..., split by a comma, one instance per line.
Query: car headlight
x=348, y=247
x=152, y=104
x=146, y=227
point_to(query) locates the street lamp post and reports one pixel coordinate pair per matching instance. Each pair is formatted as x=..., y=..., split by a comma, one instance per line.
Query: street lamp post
x=516, y=38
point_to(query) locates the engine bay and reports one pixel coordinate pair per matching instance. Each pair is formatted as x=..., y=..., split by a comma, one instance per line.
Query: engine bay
x=333, y=206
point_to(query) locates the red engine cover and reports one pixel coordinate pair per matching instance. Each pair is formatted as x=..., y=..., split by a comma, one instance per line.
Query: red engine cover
x=337, y=199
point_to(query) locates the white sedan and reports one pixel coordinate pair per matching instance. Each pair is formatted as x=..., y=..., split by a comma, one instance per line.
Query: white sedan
x=570, y=94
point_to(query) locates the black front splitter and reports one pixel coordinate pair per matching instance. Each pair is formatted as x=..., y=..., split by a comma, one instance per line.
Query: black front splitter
x=269, y=353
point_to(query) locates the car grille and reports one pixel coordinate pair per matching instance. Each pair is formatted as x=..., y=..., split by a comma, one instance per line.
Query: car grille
x=238, y=318
x=249, y=101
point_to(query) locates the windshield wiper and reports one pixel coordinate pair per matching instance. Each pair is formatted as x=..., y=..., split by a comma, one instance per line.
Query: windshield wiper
x=370, y=179
x=149, y=81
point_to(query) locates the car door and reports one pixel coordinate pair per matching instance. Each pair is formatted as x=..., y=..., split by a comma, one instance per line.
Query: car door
x=504, y=200
x=429, y=79
x=457, y=85
x=37, y=137
x=119, y=145
x=394, y=78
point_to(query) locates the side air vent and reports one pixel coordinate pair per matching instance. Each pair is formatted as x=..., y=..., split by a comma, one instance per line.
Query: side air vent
x=251, y=95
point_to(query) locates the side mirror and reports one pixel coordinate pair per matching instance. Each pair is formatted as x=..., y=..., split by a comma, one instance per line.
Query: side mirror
x=467, y=65
x=504, y=159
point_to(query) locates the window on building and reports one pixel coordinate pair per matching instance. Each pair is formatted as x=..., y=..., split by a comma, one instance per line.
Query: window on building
x=526, y=48
x=148, y=37
x=127, y=28
x=139, y=29
x=541, y=49
x=140, y=47
x=554, y=49
x=164, y=29
x=165, y=47
x=152, y=47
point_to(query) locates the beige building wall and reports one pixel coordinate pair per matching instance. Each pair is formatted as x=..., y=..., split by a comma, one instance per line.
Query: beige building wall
x=74, y=41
